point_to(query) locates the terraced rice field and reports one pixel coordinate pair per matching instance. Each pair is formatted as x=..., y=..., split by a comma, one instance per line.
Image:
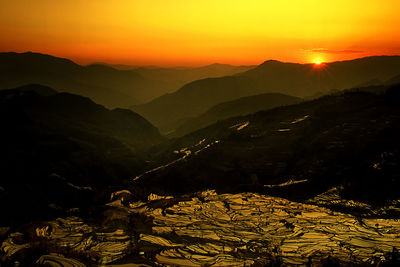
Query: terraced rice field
x=241, y=229
x=221, y=230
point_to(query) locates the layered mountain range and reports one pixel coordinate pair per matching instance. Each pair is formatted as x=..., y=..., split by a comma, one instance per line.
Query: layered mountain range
x=169, y=111
x=103, y=83
x=252, y=171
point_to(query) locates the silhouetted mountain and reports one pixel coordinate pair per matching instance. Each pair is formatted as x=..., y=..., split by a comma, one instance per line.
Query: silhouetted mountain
x=166, y=112
x=62, y=151
x=241, y=106
x=350, y=140
x=306, y=79
x=103, y=84
x=174, y=78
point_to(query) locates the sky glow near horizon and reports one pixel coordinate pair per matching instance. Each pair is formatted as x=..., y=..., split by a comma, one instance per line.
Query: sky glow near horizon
x=187, y=32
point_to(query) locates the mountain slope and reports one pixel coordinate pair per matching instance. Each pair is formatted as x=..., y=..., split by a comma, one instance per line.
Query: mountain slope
x=241, y=106
x=347, y=140
x=174, y=78
x=63, y=151
x=308, y=79
x=168, y=111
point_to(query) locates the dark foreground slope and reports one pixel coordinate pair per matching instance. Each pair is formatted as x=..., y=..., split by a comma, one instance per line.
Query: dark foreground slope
x=303, y=80
x=349, y=140
x=61, y=151
x=238, y=107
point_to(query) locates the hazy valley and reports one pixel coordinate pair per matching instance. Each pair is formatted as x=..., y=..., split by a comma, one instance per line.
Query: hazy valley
x=300, y=80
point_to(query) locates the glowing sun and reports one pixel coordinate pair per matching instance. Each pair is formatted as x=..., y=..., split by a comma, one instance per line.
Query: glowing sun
x=318, y=63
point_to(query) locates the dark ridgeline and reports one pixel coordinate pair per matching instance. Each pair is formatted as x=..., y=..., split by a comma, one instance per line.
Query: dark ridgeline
x=103, y=84
x=303, y=80
x=62, y=151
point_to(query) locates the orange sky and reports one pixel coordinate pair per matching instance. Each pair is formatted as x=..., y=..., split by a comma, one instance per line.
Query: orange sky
x=188, y=32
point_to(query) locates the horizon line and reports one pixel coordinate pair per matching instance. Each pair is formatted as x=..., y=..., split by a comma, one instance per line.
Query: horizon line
x=113, y=65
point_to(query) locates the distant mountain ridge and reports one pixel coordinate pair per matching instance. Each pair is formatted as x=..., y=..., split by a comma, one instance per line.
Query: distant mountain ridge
x=103, y=83
x=172, y=78
x=306, y=79
x=272, y=76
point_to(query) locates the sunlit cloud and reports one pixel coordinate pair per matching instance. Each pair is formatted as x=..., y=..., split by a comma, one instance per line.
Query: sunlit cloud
x=330, y=51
